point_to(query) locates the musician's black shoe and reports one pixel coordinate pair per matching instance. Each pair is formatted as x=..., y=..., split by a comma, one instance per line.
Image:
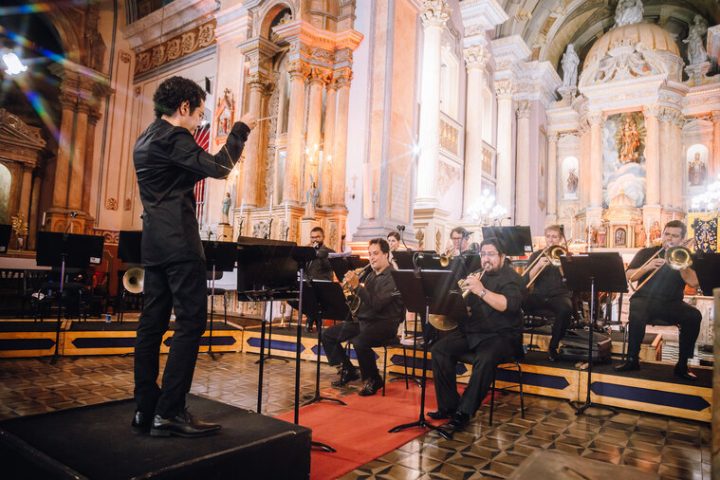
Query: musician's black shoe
x=347, y=375
x=459, y=421
x=181, y=425
x=309, y=327
x=441, y=414
x=141, y=422
x=630, y=365
x=372, y=385
x=553, y=355
x=682, y=371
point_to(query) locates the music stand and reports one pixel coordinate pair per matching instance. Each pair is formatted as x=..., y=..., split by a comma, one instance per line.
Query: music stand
x=594, y=272
x=426, y=292
x=5, y=231
x=65, y=250
x=218, y=256
x=515, y=241
x=707, y=268
x=130, y=252
x=342, y=265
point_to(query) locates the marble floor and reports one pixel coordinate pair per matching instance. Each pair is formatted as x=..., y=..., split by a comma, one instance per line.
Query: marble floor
x=669, y=447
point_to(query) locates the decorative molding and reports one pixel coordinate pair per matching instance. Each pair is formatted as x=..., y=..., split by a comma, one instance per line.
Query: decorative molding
x=479, y=16
x=111, y=203
x=16, y=132
x=524, y=108
x=435, y=13
x=476, y=56
x=175, y=48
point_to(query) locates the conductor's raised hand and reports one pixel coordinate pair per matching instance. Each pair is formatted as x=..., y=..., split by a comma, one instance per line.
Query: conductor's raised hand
x=249, y=120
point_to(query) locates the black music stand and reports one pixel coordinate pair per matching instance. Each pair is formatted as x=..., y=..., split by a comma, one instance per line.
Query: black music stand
x=342, y=265
x=130, y=252
x=218, y=256
x=426, y=292
x=594, y=272
x=707, y=268
x=5, y=231
x=327, y=300
x=515, y=241
x=65, y=250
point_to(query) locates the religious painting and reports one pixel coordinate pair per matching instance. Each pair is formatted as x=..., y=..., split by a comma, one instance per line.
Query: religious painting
x=697, y=156
x=620, y=237
x=488, y=163
x=224, y=116
x=623, y=144
x=570, y=178
x=703, y=227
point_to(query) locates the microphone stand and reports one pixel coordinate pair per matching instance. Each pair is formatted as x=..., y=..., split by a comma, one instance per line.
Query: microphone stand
x=63, y=259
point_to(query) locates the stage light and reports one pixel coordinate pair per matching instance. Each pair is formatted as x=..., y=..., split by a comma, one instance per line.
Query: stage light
x=13, y=63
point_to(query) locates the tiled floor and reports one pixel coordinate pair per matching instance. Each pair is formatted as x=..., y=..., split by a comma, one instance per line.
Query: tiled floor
x=672, y=448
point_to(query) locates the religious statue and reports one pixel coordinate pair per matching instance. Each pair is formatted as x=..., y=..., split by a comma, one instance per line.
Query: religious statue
x=226, y=208
x=620, y=237
x=628, y=12
x=311, y=197
x=655, y=233
x=570, y=62
x=640, y=237
x=696, y=50
x=629, y=141
x=572, y=181
x=697, y=171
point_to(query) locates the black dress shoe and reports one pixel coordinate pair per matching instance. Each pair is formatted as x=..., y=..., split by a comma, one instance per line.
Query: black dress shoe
x=459, y=421
x=141, y=422
x=682, y=371
x=181, y=425
x=309, y=327
x=553, y=355
x=630, y=365
x=346, y=376
x=372, y=385
x=441, y=414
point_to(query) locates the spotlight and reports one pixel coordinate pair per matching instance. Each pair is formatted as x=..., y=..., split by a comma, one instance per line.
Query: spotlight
x=13, y=64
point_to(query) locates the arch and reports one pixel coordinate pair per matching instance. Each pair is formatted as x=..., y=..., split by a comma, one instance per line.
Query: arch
x=271, y=15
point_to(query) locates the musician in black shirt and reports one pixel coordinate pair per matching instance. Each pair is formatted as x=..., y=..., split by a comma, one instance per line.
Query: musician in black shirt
x=549, y=291
x=661, y=300
x=492, y=334
x=319, y=268
x=381, y=311
x=169, y=162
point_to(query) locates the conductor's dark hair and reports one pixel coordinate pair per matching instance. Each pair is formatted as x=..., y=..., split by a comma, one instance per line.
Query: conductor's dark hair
x=173, y=92
x=677, y=224
x=495, y=243
x=394, y=234
x=384, y=246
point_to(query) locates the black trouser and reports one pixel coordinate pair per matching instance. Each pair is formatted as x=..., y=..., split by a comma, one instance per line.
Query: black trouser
x=644, y=310
x=363, y=336
x=561, y=306
x=486, y=357
x=181, y=286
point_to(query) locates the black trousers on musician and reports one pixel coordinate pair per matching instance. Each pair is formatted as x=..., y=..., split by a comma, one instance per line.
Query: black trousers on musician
x=486, y=356
x=561, y=307
x=181, y=286
x=363, y=336
x=644, y=310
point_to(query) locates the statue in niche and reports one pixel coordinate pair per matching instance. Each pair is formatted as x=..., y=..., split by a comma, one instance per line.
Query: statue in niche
x=629, y=142
x=697, y=171
x=601, y=237
x=572, y=181
x=640, y=237
x=311, y=197
x=226, y=209
x=570, y=62
x=655, y=233
x=628, y=12
x=620, y=237
x=696, y=50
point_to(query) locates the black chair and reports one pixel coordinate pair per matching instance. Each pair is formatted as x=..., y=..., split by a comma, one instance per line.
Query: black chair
x=218, y=291
x=391, y=343
x=535, y=320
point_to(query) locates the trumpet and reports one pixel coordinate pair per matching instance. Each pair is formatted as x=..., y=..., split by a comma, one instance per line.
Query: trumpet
x=444, y=322
x=553, y=254
x=678, y=258
x=446, y=257
x=463, y=285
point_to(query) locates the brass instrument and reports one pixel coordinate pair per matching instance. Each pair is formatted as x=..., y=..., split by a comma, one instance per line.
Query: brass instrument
x=133, y=280
x=678, y=258
x=351, y=299
x=444, y=322
x=446, y=257
x=553, y=254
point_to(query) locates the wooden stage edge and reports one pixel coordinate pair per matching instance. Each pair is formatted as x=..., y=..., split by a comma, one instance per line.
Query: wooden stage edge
x=653, y=389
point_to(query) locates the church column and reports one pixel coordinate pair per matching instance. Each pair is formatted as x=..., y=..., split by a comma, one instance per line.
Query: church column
x=62, y=164
x=296, y=116
x=551, y=216
x=596, y=170
x=312, y=139
x=677, y=161
x=256, y=87
x=504, y=170
x=77, y=160
x=652, y=160
x=25, y=190
x=666, y=156
x=475, y=58
x=714, y=169
x=342, y=83
x=434, y=17
x=93, y=118
x=326, y=175
x=34, y=206
x=522, y=179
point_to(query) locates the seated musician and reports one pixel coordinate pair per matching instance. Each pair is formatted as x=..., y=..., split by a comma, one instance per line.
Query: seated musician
x=380, y=312
x=393, y=239
x=319, y=268
x=549, y=292
x=460, y=238
x=661, y=298
x=492, y=334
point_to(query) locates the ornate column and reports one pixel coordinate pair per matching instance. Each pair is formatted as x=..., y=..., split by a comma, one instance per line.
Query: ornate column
x=552, y=200
x=34, y=206
x=25, y=190
x=326, y=175
x=291, y=183
x=596, y=170
x=93, y=118
x=666, y=156
x=522, y=178
x=62, y=164
x=476, y=58
x=652, y=157
x=504, y=172
x=715, y=165
x=256, y=89
x=77, y=158
x=342, y=84
x=317, y=81
x=435, y=14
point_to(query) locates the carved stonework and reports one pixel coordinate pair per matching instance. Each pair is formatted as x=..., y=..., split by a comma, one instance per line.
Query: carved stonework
x=504, y=88
x=623, y=61
x=175, y=48
x=448, y=176
x=476, y=56
x=523, y=109
x=112, y=237
x=435, y=12
x=111, y=204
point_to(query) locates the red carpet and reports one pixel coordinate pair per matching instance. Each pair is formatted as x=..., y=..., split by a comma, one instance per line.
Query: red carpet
x=359, y=431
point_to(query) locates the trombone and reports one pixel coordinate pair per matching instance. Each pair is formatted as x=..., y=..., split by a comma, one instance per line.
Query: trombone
x=553, y=254
x=678, y=258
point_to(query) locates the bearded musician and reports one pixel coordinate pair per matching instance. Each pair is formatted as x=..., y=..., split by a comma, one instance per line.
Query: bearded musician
x=492, y=334
x=378, y=317
x=549, y=292
x=318, y=268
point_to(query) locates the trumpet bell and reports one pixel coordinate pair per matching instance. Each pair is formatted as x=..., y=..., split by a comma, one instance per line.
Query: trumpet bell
x=442, y=322
x=133, y=280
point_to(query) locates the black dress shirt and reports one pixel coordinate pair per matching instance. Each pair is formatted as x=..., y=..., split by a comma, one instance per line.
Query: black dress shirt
x=550, y=283
x=666, y=284
x=380, y=300
x=320, y=268
x=169, y=163
x=486, y=322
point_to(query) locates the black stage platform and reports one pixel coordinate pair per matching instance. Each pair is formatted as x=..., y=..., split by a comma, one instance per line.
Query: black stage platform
x=96, y=442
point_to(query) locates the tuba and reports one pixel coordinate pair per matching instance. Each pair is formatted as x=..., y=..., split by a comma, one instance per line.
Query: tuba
x=133, y=280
